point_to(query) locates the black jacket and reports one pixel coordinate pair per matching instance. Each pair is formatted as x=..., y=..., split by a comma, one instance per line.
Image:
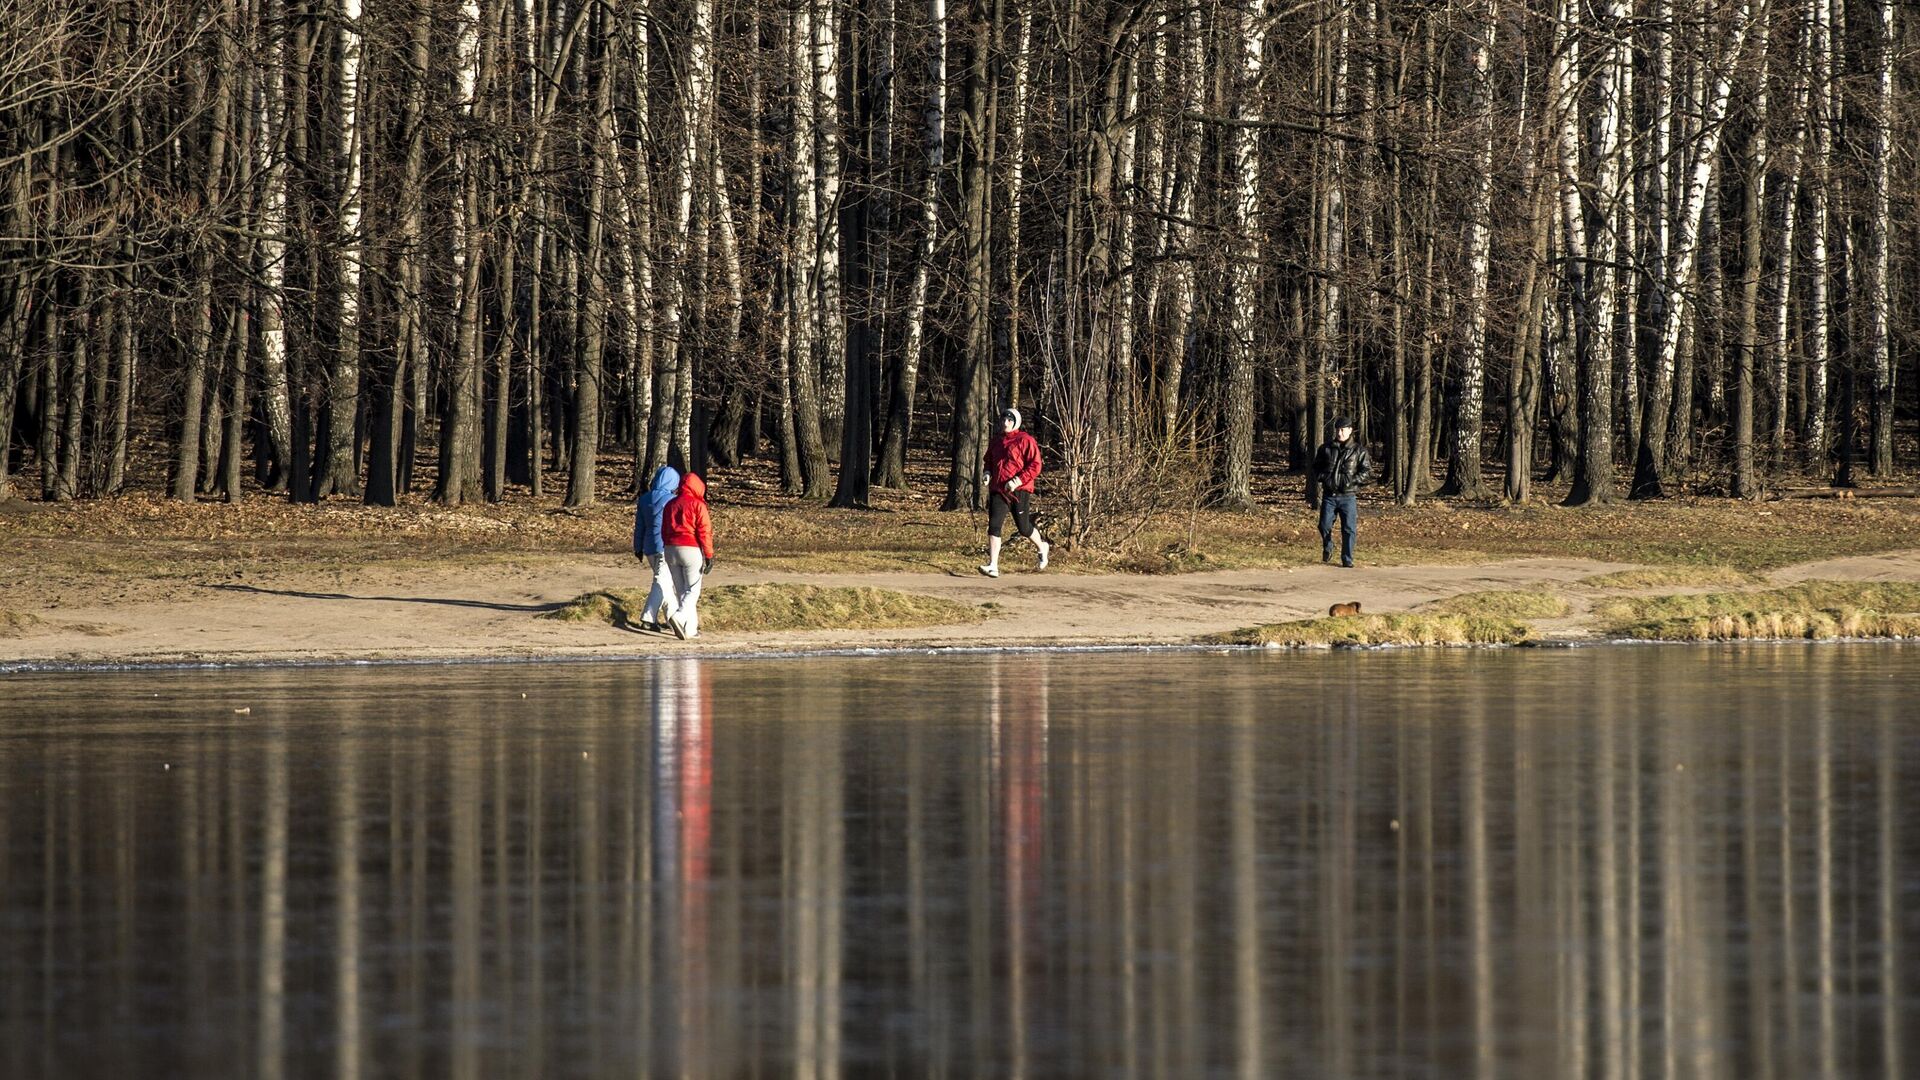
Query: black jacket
x=1340, y=468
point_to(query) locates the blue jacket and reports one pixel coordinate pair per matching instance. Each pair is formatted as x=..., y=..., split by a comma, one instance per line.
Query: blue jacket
x=646, y=511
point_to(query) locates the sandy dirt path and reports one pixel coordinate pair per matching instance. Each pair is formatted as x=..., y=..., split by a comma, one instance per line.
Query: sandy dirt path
x=468, y=612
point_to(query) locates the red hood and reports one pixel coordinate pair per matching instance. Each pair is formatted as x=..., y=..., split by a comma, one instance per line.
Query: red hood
x=693, y=486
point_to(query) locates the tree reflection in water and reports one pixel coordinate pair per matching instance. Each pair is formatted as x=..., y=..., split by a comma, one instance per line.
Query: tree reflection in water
x=1609, y=862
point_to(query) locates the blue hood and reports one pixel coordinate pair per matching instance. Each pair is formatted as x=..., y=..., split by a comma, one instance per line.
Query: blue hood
x=647, y=510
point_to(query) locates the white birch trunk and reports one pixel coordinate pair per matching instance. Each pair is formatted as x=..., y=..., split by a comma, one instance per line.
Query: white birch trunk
x=803, y=261
x=1785, y=196
x=343, y=391
x=1181, y=302
x=830, y=310
x=1753, y=213
x=1242, y=211
x=1678, y=271
x=1333, y=250
x=272, y=294
x=893, y=450
x=1593, y=475
x=1822, y=118
x=459, y=465
x=1120, y=400
x=1016, y=177
x=1874, y=262
x=1464, y=467
x=694, y=97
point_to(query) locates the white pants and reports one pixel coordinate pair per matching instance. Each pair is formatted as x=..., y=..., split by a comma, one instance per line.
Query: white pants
x=684, y=562
x=660, y=597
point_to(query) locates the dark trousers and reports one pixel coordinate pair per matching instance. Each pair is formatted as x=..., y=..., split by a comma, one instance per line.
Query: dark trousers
x=1000, y=504
x=1348, y=510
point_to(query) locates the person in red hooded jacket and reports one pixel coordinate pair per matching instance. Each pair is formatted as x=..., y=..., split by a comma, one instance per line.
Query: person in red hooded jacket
x=1013, y=464
x=686, y=529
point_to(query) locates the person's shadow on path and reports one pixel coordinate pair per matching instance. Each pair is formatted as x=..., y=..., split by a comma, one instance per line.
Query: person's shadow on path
x=442, y=601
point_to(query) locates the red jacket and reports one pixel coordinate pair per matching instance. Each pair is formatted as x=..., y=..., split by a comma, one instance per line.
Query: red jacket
x=1011, y=454
x=685, y=522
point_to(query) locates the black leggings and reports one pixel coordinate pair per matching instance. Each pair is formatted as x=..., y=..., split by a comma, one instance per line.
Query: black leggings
x=1000, y=503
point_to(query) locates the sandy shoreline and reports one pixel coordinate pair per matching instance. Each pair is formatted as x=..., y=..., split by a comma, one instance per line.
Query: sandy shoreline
x=465, y=613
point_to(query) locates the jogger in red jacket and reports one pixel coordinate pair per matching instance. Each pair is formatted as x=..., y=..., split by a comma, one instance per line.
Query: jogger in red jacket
x=1013, y=464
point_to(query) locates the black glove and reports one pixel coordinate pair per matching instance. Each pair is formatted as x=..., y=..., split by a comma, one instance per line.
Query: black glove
x=706, y=565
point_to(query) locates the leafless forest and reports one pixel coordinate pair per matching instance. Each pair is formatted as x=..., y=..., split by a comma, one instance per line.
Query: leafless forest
x=362, y=248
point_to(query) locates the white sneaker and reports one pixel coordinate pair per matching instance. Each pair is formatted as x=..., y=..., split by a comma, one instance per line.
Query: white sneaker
x=678, y=627
x=1046, y=549
x=990, y=571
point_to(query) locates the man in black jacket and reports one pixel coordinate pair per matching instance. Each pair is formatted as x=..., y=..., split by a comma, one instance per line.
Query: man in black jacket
x=1340, y=467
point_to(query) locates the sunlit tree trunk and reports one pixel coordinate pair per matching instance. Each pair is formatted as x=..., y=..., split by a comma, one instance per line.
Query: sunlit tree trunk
x=186, y=462
x=1524, y=367
x=829, y=313
x=1463, y=467
x=1593, y=472
x=1822, y=118
x=966, y=481
x=1677, y=274
x=1329, y=331
x=1242, y=213
x=593, y=329
x=636, y=234
x=1877, y=30
x=1017, y=124
x=1753, y=221
x=1784, y=193
x=1191, y=68
x=893, y=446
x=804, y=258
x=459, y=438
x=341, y=471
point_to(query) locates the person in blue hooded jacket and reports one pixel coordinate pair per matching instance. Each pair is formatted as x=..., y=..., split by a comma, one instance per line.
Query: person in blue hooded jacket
x=648, y=547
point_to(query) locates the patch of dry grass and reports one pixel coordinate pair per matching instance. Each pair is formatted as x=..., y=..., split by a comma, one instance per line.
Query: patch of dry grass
x=1409, y=628
x=1503, y=604
x=16, y=623
x=1810, y=609
x=1777, y=626
x=1672, y=577
x=776, y=607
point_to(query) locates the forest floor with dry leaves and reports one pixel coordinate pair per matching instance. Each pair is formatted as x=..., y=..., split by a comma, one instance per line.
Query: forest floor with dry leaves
x=138, y=578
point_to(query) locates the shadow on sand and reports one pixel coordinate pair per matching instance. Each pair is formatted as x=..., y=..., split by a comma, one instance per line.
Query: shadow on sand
x=442, y=601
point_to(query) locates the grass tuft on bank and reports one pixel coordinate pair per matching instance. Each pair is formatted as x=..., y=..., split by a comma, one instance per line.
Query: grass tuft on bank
x=1502, y=604
x=1672, y=577
x=16, y=623
x=1405, y=628
x=776, y=607
x=1809, y=610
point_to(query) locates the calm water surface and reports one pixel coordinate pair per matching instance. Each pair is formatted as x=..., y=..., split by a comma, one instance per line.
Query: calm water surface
x=1607, y=862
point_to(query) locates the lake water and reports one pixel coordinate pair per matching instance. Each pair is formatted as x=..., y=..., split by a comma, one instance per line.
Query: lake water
x=1608, y=862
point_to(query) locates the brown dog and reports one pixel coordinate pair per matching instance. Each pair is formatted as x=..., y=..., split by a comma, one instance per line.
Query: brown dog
x=1341, y=610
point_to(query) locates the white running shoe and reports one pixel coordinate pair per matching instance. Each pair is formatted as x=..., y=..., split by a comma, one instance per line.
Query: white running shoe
x=990, y=571
x=1046, y=549
x=678, y=627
